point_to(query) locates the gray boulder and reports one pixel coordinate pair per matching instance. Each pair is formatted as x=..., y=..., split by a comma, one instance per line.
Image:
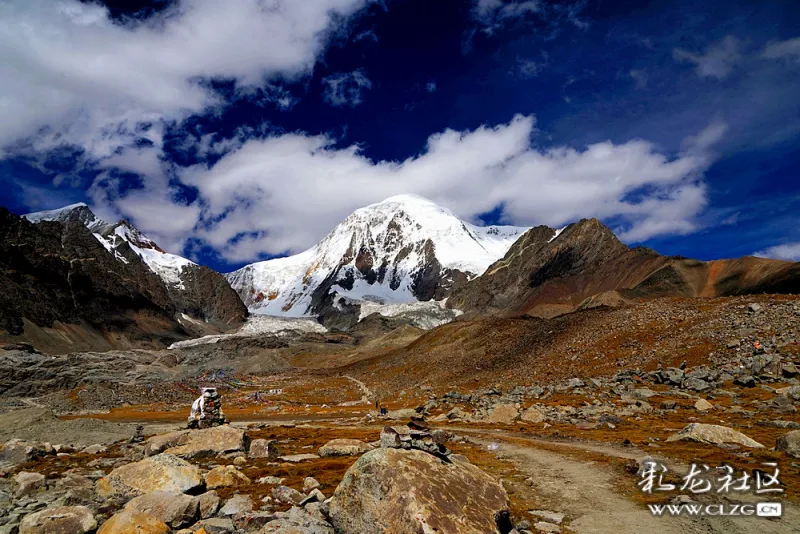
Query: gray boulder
x=410, y=491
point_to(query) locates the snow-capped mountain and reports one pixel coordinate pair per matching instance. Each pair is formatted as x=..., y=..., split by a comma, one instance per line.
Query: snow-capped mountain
x=196, y=291
x=402, y=250
x=167, y=266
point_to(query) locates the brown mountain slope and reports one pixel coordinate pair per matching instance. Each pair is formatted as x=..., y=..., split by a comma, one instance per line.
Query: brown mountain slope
x=481, y=352
x=545, y=274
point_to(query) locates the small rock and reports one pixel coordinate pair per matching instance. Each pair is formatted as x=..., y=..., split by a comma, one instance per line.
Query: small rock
x=287, y=495
x=703, y=405
x=343, y=447
x=310, y=483
x=550, y=517
x=297, y=458
x=94, y=449
x=237, y=506
x=533, y=415
x=208, y=504
x=264, y=448
x=225, y=476
x=27, y=483
x=668, y=405
x=239, y=461
x=544, y=526
x=715, y=434
x=745, y=381
x=789, y=443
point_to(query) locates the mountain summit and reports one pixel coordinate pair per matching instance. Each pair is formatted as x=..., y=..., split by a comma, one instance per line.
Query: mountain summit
x=401, y=250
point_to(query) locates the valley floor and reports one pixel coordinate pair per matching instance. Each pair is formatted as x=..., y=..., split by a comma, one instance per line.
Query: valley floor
x=564, y=412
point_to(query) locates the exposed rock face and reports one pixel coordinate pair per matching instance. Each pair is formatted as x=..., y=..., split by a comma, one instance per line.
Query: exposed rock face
x=585, y=265
x=410, y=491
x=163, y=472
x=716, y=434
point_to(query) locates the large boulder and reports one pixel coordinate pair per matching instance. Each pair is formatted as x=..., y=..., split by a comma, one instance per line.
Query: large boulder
x=174, y=509
x=715, y=434
x=28, y=483
x=59, y=520
x=237, y=506
x=225, y=476
x=162, y=472
x=209, y=504
x=211, y=442
x=503, y=413
x=160, y=443
x=133, y=522
x=789, y=443
x=410, y=491
x=533, y=415
x=343, y=447
x=264, y=448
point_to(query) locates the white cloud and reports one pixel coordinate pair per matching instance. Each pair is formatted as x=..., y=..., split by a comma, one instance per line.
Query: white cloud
x=346, y=88
x=431, y=87
x=789, y=49
x=717, y=61
x=639, y=77
x=492, y=10
x=788, y=252
x=528, y=68
x=69, y=67
x=284, y=192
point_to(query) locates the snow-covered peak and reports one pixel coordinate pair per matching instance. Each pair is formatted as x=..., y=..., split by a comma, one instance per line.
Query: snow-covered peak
x=73, y=212
x=399, y=250
x=167, y=266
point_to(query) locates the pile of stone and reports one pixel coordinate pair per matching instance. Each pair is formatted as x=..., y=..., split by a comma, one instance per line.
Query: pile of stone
x=212, y=412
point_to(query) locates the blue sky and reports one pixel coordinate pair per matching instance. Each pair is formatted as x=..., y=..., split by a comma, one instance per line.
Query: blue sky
x=242, y=130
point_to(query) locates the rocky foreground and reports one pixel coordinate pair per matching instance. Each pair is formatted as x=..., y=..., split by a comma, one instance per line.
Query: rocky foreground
x=188, y=481
x=416, y=476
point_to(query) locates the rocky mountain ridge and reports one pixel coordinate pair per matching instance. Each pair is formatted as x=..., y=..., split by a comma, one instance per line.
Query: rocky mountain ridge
x=546, y=273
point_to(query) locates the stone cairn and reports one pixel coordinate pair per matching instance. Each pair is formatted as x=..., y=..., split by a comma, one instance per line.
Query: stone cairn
x=212, y=411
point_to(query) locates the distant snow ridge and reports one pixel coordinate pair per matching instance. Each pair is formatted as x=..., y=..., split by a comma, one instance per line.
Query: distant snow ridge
x=258, y=325
x=402, y=250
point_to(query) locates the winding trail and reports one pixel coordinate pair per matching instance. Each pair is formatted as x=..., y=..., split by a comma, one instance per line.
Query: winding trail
x=365, y=391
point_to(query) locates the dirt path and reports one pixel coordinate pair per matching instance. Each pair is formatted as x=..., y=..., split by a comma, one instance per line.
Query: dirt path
x=584, y=491
x=366, y=394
